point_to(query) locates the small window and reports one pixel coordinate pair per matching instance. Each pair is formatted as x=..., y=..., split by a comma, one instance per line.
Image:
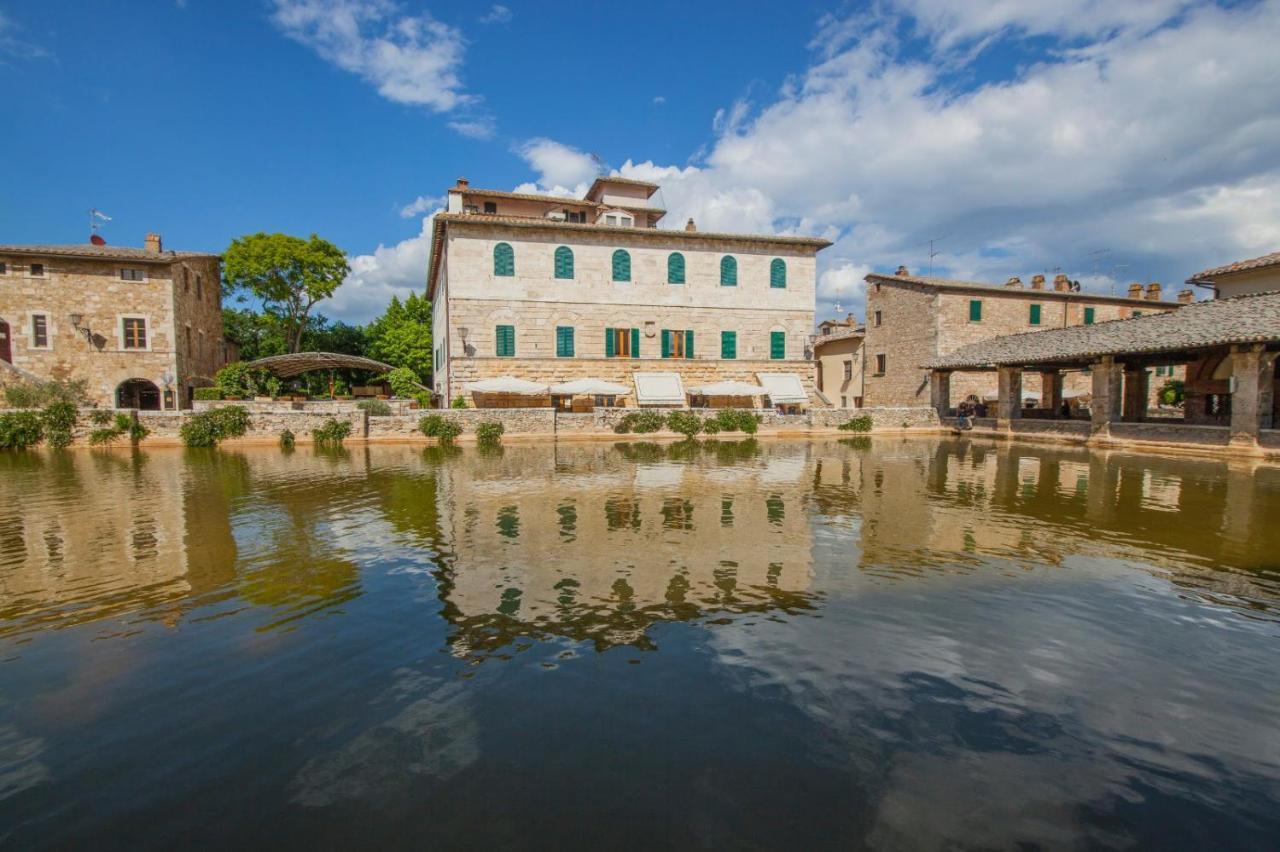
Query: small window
x=848, y=370
x=135, y=333
x=677, y=343
x=777, y=345
x=879, y=319
x=675, y=268
x=619, y=220
x=132, y=275
x=576, y=216
x=4, y=268
x=729, y=345
x=880, y=364
x=1137, y=314
x=36, y=270
x=728, y=271
x=564, y=263
x=621, y=265
x=505, y=341
x=1034, y=319
x=622, y=343
x=564, y=341
x=491, y=207
x=1088, y=316
x=975, y=310
x=199, y=287
x=39, y=331
x=778, y=273
x=504, y=260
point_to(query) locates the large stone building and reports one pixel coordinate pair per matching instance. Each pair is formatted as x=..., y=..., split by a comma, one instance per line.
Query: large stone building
x=911, y=320
x=549, y=289
x=837, y=355
x=143, y=326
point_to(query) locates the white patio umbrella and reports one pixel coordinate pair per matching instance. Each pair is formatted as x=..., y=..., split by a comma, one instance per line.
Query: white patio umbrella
x=506, y=384
x=729, y=388
x=589, y=387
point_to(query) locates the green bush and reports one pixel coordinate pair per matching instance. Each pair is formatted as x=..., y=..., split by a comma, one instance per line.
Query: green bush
x=102, y=417
x=59, y=421
x=137, y=431
x=40, y=394
x=113, y=426
x=856, y=424
x=1173, y=392
x=287, y=439
x=459, y=402
x=435, y=426
x=19, y=430
x=685, y=423
x=404, y=382
x=208, y=394
x=374, y=407
x=273, y=386
x=711, y=426
x=735, y=420
x=423, y=399
x=489, y=432
x=333, y=431
x=237, y=380
x=207, y=428
x=640, y=422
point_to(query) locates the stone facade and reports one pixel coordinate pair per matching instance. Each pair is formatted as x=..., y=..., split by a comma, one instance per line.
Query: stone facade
x=838, y=361
x=176, y=295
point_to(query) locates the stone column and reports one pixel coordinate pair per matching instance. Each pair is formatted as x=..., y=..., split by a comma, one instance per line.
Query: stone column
x=1106, y=393
x=1252, y=371
x=1135, y=393
x=1051, y=390
x=940, y=391
x=1009, y=406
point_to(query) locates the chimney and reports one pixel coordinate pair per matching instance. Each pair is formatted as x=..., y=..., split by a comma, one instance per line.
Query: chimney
x=902, y=270
x=689, y=226
x=1037, y=282
x=1153, y=291
x=1186, y=297
x=1061, y=282
x=852, y=323
x=153, y=244
x=1135, y=290
x=463, y=183
x=1015, y=282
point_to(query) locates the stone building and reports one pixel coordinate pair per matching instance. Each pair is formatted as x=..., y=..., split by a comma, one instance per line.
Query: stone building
x=549, y=289
x=143, y=326
x=911, y=320
x=1244, y=277
x=837, y=355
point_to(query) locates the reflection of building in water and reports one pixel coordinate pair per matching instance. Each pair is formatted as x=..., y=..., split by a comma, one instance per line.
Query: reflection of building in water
x=599, y=543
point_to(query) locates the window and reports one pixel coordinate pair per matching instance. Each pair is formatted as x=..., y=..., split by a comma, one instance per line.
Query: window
x=1035, y=315
x=677, y=343
x=880, y=364
x=879, y=319
x=36, y=270
x=848, y=370
x=1088, y=316
x=728, y=271
x=675, y=268
x=132, y=275
x=975, y=310
x=621, y=265
x=564, y=263
x=4, y=268
x=729, y=345
x=619, y=220
x=622, y=343
x=199, y=287
x=777, y=345
x=577, y=216
x=1137, y=313
x=39, y=331
x=504, y=260
x=564, y=341
x=844, y=402
x=505, y=341
x=135, y=332
x=778, y=273
x=491, y=207
x=189, y=350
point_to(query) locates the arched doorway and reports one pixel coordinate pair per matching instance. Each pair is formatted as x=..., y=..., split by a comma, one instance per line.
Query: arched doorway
x=6, y=352
x=138, y=393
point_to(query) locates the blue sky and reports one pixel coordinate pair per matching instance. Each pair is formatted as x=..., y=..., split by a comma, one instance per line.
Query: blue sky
x=1114, y=141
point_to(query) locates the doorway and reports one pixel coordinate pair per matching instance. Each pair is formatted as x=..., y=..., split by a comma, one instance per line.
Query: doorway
x=138, y=393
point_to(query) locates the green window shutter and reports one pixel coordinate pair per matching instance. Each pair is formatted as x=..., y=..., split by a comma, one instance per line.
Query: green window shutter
x=621, y=265
x=729, y=344
x=1035, y=314
x=777, y=345
x=666, y=343
x=1088, y=316
x=609, y=351
x=688, y=343
x=778, y=273
x=505, y=337
x=564, y=262
x=564, y=341
x=675, y=268
x=975, y=310
x=1137, y=313
x=504, y=260
x=635, y=343
x=728, y=271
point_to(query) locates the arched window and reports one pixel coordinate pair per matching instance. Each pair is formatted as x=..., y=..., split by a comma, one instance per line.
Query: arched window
x=564, y=262
x=621, y=265
x=778, y=273
x=504, y=260
x=728, y=271
x=675, y=268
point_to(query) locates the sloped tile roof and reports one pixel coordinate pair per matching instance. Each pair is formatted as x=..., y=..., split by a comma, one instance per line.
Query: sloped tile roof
x=1027, y=292
x=840, y=333
x=88, y=250
x=1263, y=262
x=1216, y=322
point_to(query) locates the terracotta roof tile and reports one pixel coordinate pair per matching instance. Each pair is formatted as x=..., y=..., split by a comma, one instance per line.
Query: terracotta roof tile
x=1263, y=262
x=92, y=252
x=1028, y=292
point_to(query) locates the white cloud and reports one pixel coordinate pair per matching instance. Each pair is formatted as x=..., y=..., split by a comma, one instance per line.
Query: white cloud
x=659, y=100
x=421, y=204
x=409, y=59
x=395, y=270
x=479, y=127
x=497, y=15
x=11, y=45
x=559, y=166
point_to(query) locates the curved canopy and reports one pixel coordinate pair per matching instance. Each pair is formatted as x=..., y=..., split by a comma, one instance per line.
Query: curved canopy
x=590, y=387
x=287, y=366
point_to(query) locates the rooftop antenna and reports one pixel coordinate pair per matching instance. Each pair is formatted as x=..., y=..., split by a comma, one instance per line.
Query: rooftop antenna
x=94, y=216
x=933, y=253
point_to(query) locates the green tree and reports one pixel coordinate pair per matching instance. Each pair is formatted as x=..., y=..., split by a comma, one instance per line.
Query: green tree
x=289, y=275
x=402, y=336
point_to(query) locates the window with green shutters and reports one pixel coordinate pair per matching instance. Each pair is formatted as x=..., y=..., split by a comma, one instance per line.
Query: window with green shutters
x=728, y=271
x=621, y=265
x=564, y=263
x=1088, y=316
x=1137, y=313
x=675, y=268
x=777, y=345
x=564, y=341
x=505, y=337
x=778, y=273
x=1035, y=315
x=975, y=310
x=729, y=344
x=504, y=260
x=677, y=343
x=622, y=343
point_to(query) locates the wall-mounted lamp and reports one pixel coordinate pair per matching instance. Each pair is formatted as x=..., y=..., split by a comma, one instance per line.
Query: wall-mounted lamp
x=463, y=332
x=76, y=323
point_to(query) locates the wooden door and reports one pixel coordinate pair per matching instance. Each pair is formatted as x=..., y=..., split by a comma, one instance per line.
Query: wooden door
x=6, y=353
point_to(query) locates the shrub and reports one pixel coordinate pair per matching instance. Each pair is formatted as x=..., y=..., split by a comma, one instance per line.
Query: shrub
x=101, y=418
x=40, y=394
x=237, y=380
x=404, y=382
x=711, y=426
x=19, y=430
x=58, y=420
x=489, y=432
x=685, y=423
x=374, y=408
x=1173, y=392
x=137, y=431
x=333, y=431
x=273, y=385
x=287, y=439
x=208, y=394
x=735, y=420
x=640, y=422
x=459, y=402
x=423, y=399
x=430, y=425
x=856, y=424
x=207, y=428
x=448, y=431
